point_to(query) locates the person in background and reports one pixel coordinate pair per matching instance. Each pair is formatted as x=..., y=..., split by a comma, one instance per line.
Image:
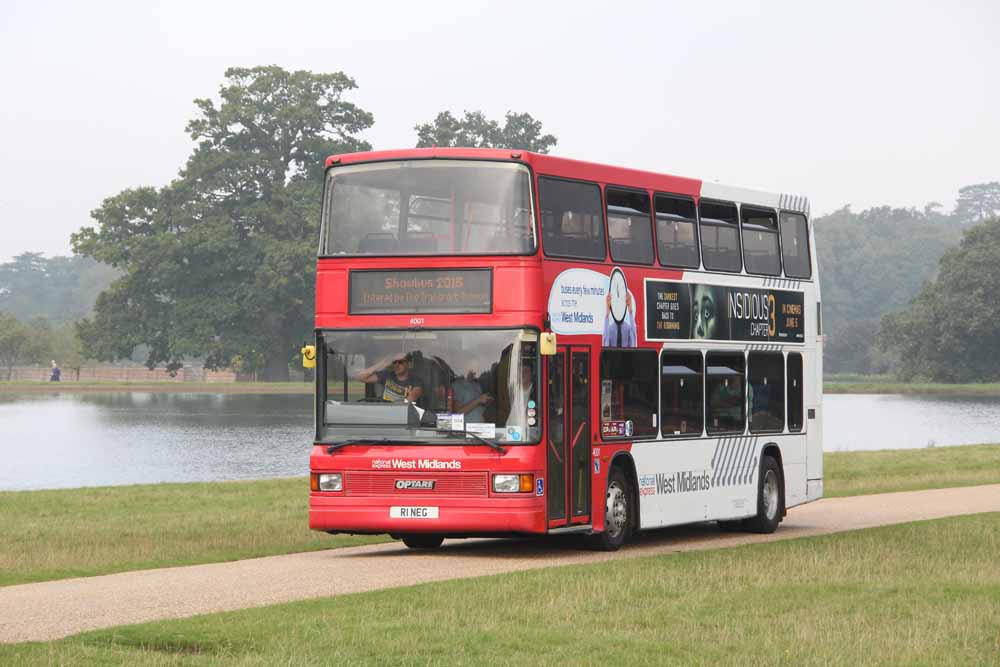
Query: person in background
x=56, y=372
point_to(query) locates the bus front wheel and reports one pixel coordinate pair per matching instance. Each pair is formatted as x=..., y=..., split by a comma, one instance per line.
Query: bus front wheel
x=423, y=541
x=619, y=510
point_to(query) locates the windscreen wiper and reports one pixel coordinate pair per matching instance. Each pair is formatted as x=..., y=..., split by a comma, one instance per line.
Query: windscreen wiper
x=474, y=436
x=334, y=446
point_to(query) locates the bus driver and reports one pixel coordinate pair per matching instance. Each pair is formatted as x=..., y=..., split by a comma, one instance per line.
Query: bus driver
x=400, y=383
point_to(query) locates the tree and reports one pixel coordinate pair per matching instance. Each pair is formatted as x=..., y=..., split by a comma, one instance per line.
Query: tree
x=520, y=131
x=871, y=263
x=14, y=340
x=23, y=343
x=67, y=349
x=979, y=202
x=222, y=261
x=60, y=289
x=950, y=332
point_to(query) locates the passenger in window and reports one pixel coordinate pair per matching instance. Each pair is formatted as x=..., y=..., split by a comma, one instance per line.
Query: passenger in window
x=726, y=403
x=470, y=399
x=573, y=225
x=401, y=385
x=708, y=313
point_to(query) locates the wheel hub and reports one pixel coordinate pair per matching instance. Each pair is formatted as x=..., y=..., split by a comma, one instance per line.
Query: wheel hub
x=770, y=494
x=616, y=510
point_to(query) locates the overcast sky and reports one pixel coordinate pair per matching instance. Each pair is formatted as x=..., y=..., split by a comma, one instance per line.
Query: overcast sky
x=847, y=102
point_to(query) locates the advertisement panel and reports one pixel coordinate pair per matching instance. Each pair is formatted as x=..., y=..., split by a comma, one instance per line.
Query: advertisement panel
x=716, y=312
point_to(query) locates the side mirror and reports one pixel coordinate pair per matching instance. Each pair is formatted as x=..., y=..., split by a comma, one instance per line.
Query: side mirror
x=308, y=356
x=548, y=344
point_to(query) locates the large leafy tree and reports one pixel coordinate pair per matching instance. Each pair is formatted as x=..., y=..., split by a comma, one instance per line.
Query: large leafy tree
x=951, y=330
x=474, y=130
x=221, y=262
x=979, y=202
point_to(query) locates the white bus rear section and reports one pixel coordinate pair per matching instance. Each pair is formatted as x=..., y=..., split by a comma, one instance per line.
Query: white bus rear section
x=688, y=481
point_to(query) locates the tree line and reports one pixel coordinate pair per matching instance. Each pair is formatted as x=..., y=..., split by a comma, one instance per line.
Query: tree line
x=877, y=264
x=219, y=264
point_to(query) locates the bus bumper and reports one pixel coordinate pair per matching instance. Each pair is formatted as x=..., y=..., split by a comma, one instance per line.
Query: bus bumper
x=455, y=516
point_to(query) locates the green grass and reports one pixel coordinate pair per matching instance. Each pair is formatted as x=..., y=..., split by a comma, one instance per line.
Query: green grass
x=859, y=377
x=84, y=532
x=914, y=594
x=859, y=473
x=915, y=388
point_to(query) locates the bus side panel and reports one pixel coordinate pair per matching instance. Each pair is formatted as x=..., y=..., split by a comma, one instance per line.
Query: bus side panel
x=687, y=481
x=814, y=422
x=794, y=459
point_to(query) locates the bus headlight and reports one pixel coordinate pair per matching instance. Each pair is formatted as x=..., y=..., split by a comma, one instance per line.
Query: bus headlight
x=513, y=483
x=330, y=481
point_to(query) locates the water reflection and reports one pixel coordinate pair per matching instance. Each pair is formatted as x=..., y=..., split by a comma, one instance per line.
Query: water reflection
x=70, y=440
x=860, y=422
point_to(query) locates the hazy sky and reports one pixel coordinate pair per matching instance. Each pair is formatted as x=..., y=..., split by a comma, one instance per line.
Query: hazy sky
x=847, y=102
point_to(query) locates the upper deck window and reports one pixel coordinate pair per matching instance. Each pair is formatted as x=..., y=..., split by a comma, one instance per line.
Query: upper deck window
x=795, y=245
x=428, y=207
x=720, y=236
x=572, y=224
x=760, y=241
x=629, y=226
x=676, y=232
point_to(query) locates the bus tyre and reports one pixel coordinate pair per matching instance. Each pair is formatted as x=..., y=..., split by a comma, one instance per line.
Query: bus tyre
x=619, y=513
x=770, y=501
x=423, y=541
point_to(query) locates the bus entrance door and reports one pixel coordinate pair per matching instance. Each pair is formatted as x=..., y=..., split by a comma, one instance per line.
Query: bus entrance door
x=568, y=436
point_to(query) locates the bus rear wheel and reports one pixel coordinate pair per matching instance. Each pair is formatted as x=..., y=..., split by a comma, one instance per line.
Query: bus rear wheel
x=770, y=499
x=619, y=512
x=423, y=541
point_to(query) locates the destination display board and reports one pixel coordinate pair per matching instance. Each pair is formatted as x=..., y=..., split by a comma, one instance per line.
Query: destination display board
x=685, y=310
x=421, y=291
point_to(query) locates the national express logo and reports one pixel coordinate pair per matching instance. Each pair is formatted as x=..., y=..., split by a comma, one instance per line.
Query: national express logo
x=665, y=484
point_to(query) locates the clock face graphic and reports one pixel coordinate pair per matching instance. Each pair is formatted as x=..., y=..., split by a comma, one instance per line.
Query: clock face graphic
x=618, y=291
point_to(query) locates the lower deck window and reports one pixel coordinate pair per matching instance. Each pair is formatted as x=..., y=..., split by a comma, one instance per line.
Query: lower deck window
x=681, y=394
x=767, y=392
x=794, y=392
x=725, y=391
x=628, y=393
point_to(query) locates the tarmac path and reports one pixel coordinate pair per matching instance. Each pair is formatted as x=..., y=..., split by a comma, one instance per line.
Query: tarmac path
x=54, y=609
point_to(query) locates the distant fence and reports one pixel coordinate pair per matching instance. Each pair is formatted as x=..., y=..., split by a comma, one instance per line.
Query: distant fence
x=122, y=374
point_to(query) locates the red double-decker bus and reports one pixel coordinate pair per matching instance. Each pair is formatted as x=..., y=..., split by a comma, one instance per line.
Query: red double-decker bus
x=513, y=343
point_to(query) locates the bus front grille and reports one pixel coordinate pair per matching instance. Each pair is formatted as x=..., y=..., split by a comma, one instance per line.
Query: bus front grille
x=372, y=483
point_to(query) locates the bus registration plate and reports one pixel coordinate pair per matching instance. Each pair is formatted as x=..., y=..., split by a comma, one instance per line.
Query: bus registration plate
x=396, y=512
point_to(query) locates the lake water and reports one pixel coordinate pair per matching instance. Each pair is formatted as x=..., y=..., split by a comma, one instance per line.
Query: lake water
x=70, y=440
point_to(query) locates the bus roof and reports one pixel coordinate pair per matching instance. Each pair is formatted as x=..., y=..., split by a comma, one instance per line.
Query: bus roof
x=551, y=165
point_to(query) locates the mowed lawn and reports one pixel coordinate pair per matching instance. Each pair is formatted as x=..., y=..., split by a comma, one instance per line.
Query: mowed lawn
x=83, y=532
x=925, y=593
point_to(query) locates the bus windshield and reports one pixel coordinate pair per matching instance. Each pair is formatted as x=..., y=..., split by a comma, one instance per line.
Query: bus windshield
x=428, y=207
x=423, y=385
